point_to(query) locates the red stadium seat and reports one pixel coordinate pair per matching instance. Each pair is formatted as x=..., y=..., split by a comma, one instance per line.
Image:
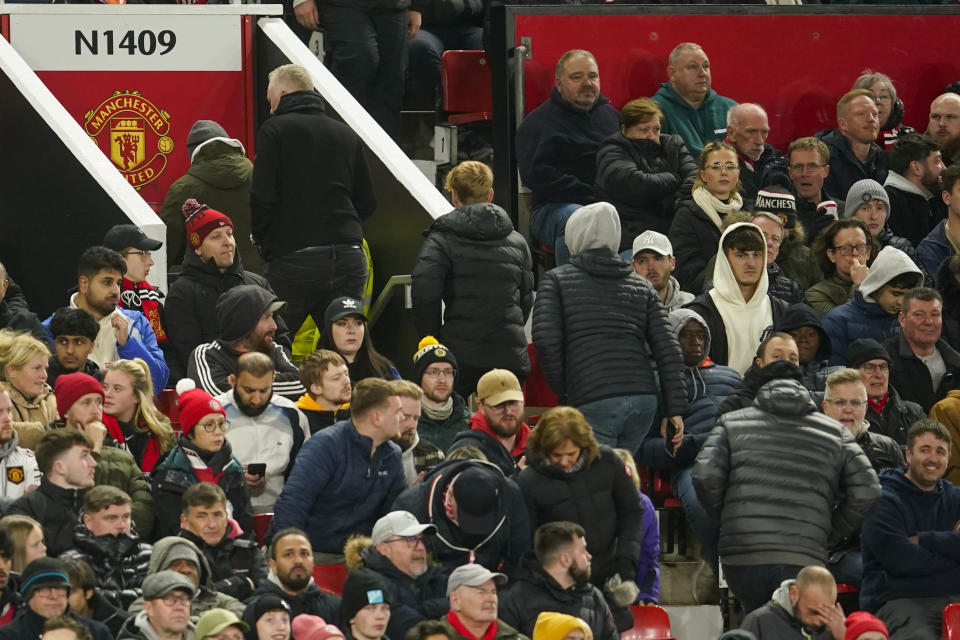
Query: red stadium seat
x=261, y=522
x=536, y=391
x=951, y=622
x=166, y=402
x=649, y=623
x=465, y=75
x=330, y=577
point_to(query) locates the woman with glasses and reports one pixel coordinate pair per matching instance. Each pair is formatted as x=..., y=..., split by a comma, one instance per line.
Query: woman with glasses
x=128, y=398
x=695, y=231
x=202, y=454
x=844, y=250
x=890, y=107
x=640, y=171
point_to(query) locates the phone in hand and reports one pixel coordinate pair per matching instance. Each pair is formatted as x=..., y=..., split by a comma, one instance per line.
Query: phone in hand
x=257, y=468
x=668, y=440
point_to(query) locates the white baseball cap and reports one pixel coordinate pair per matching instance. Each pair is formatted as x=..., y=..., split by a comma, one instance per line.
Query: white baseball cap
x=652, y=241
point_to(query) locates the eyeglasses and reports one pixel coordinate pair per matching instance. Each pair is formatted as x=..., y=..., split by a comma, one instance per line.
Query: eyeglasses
x=213, y=427
x=841, y=402
x=850, y=249
x=725, y=166
x=142, y=254
x=440, y=373
x=172, y=599
x=411, y=541
x=52, y=592
x=870, y=367
x=801, y=168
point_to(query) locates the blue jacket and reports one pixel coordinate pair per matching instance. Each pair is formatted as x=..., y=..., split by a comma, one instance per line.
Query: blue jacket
x=337, y=488
x=854, y=320
x=141, y=343
x=895, y=567
x=934, y=249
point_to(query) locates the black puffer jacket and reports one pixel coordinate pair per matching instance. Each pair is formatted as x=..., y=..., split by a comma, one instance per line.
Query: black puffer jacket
x=882, y=452
x=782, y=287
x=120, y=563
x=601, y=498
x=593, y=321
x=912, y=378
x=755, y=377
x=475, y=263
x=641, y=178
x=535, y=591
x=695, y=240
x=784, y=481
x=846, y=168
x=897, y=418
x=191, y=309
x=54, y=507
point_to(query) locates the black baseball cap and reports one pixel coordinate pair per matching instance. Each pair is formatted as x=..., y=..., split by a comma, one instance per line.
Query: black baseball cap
x=341, y=308
x=122, y=236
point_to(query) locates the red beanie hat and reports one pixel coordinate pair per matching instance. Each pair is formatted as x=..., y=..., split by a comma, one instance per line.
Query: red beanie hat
x=201, y=221
x=71, y=387
x=860, y=622
x=307, y=627
x=193, y=405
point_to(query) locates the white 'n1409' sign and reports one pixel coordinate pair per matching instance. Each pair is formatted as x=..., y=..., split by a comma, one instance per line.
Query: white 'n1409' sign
x=108, y=42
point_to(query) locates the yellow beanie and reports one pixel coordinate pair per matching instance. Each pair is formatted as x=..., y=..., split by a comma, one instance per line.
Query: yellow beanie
x=555, y=626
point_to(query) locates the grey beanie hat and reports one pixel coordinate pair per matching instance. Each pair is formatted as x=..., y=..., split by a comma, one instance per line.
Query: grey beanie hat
x=862, y=192
x=201, y=131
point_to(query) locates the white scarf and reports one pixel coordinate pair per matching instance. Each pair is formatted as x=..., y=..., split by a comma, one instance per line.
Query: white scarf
x=714, y=206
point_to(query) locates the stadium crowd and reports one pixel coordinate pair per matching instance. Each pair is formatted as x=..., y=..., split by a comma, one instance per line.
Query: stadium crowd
x=775, y=333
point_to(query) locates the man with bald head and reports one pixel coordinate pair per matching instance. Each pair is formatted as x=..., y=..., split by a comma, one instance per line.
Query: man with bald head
x=804, y=608
x=944, y=126
x=854, y=153
x=557, y=148
x=747, y=131
x=692, y=109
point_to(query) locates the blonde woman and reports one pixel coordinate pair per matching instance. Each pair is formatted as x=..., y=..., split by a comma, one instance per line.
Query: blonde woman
x=28, y=540
x=129, y=399
x=23, y=373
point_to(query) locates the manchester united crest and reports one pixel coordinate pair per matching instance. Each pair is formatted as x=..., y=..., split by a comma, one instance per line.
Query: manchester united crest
x=15, y=474
x=132, y=131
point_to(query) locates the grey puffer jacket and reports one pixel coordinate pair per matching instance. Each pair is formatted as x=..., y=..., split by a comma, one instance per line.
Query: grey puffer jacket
x=474, y=262
x=592, y=322
x=785, y=481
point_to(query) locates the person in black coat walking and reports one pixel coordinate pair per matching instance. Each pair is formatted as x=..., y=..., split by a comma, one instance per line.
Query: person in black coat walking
x=570, y=477
x=480, y=268
x=640, y=171
x=593, y=323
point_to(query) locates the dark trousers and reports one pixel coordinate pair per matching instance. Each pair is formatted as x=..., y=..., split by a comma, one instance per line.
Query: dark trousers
x=754, y=584
x=307, y=280
x=915, y=618
x=423, y=70
x=367, y=51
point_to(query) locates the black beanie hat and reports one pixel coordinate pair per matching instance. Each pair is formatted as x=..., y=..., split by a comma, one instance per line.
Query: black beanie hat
x=362, y=587
x=43, y=572
x=429, y=351
x=864, y=350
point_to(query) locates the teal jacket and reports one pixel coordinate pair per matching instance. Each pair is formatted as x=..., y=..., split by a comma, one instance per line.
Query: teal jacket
x=698, y=126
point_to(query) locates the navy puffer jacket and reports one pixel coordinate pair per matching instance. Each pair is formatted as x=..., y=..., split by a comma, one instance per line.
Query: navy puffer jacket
x=784, y=481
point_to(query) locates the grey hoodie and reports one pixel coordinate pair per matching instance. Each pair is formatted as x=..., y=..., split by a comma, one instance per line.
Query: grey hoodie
x=595, y=226
x=776, y=620
x=207, y=598
x=679, y=318
x=889, y=264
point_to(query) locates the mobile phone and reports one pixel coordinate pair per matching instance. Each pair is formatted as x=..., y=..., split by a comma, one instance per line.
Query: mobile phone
x=668, y=441
x=257, y=468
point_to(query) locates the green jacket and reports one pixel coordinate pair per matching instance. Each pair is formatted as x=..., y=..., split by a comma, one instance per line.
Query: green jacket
x=830, y=292
x=798, y=263
x=119, y=469
x=220, y=178
x=207, y=598
x=697, y=127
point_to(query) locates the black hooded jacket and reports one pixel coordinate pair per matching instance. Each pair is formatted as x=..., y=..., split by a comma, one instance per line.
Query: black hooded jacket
x=311, y=183
x=755, y=377
x=191, y=308
x=816, y=371
x=238, y=314
x=846, y=168
x=480, y=268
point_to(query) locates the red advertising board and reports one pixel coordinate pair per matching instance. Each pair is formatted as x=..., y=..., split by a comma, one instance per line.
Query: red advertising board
x=137, y=82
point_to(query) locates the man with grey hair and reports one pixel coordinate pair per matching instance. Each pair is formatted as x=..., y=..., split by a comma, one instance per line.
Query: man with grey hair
x=747, y=131
x=16, y=317
x=557, y=148
x=472, y=590
x=311, y=190
x=692, y=109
